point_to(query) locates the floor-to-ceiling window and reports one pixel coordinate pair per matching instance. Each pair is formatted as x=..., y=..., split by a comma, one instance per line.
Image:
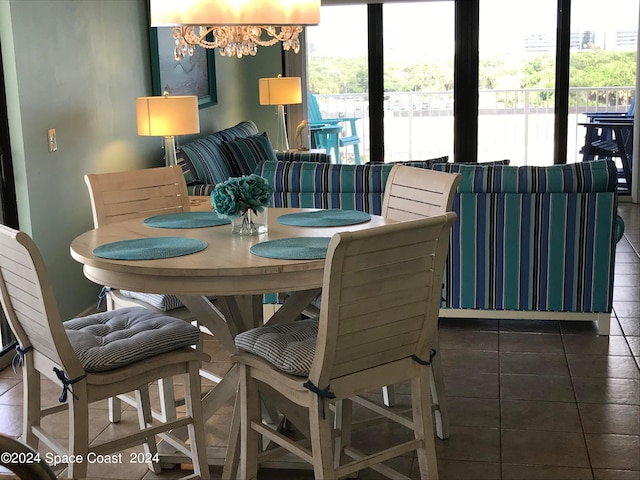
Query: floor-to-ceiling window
x=517, y=61
x=603, y=62
x=418, y=80
x=338, y=74
x=515, y=75
x=416, y=77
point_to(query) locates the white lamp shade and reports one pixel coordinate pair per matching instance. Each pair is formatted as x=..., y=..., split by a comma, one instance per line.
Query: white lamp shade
x=165, y=13
x=163, y=116
x=280, y=91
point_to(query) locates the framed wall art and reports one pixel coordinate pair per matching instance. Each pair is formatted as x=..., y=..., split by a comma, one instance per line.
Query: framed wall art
x=193, y=75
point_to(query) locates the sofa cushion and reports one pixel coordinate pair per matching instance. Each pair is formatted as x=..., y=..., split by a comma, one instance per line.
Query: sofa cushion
x=247, y=152
x=584, y=177
x=289, y=347
x=205, y=159
x=112, y=339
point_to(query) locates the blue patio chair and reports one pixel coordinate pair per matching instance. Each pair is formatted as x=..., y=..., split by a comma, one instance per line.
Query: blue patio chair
x=327, y=132
x=603, y=137
x=611, y=139
x=612, y=116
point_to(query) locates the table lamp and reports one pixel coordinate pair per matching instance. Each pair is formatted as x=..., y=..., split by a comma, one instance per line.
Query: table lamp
x=168, y=116
x=280, y=91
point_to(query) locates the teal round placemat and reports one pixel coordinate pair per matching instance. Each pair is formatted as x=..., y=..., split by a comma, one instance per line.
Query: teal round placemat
x=299, y=248
x=149, y=248
x=186, y=220
x=324, y=218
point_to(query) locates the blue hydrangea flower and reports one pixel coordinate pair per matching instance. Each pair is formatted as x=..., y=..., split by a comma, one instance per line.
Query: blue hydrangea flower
x=239, y=194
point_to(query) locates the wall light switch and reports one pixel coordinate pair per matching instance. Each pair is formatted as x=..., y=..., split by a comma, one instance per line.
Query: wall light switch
x=51, y=138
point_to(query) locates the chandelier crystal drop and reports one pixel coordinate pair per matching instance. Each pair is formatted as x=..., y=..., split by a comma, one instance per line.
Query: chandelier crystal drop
x=237, y=40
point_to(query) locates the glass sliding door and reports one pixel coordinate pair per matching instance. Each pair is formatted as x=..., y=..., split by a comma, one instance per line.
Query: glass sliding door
x=338, y=73
x=523, y=75
x=603, y=59
x=517, y=63
x=418, y=80
x=417, y=75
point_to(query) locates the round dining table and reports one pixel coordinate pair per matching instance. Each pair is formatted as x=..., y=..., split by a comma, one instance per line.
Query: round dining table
x=225, y=269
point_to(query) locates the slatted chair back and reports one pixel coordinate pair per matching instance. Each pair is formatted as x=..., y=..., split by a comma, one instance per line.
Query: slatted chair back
x=314, y=109
x=46, y=349
x=120, y=196
x=380, y=303
x=324, y=127
x=30, y=306
x=412, y=193
x=612, y=116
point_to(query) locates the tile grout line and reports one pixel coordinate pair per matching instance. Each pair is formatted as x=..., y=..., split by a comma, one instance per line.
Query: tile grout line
x=575, y=398
x=500, y=446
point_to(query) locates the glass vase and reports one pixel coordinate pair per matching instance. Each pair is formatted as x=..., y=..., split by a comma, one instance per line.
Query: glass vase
x=250, y=223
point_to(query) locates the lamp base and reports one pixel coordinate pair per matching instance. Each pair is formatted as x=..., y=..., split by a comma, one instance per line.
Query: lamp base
x=170, y=156
x=280, y=142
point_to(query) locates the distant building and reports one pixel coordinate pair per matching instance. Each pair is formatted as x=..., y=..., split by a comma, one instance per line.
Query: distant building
x=584, y=40
x=626, y=39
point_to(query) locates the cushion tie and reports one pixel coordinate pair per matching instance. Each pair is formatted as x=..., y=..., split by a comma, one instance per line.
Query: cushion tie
x=18, y=360
x=432, y=353
x=102, y=296
x=323, y=394
x=66, y=384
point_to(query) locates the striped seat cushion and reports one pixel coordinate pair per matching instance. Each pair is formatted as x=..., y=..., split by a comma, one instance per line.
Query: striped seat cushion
x=108, y=340
x=289, y=347
x=157, y=300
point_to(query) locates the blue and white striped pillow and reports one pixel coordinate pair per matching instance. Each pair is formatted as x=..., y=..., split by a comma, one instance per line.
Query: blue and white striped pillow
x=247, y=152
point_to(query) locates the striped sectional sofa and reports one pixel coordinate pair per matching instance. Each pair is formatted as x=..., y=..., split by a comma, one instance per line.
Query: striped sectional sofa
x=530, y=242
x=231, y=152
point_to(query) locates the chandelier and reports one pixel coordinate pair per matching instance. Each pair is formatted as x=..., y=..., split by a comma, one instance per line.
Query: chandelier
x=237, y=40
x=234, y=27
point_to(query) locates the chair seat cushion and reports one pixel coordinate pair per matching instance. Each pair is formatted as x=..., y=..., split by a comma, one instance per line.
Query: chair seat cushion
x=158, y=300
x=107, y=340
x=289, y=347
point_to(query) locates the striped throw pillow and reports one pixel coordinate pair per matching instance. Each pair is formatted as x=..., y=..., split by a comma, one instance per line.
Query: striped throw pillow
x=246, y=153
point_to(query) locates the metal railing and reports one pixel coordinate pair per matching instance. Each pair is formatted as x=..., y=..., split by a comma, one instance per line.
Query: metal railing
x=514, y=124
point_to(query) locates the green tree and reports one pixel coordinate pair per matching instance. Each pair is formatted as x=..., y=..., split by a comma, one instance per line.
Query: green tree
x=592, y=68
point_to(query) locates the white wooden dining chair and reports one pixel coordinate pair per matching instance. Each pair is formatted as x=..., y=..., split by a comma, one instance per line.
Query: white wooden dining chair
x=412, y=193
x=94, y=358
x=119, y=196
x=364, y=338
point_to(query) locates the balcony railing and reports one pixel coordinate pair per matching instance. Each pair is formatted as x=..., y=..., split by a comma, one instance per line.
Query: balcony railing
x=514, y=124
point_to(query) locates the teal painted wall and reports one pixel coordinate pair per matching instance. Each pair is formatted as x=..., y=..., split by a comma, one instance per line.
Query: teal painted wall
x=77, y=66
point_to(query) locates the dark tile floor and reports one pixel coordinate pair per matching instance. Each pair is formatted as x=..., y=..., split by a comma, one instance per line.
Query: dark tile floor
x=529, y=400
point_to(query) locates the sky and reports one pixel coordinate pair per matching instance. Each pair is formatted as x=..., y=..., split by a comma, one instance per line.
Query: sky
x=428, y=26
